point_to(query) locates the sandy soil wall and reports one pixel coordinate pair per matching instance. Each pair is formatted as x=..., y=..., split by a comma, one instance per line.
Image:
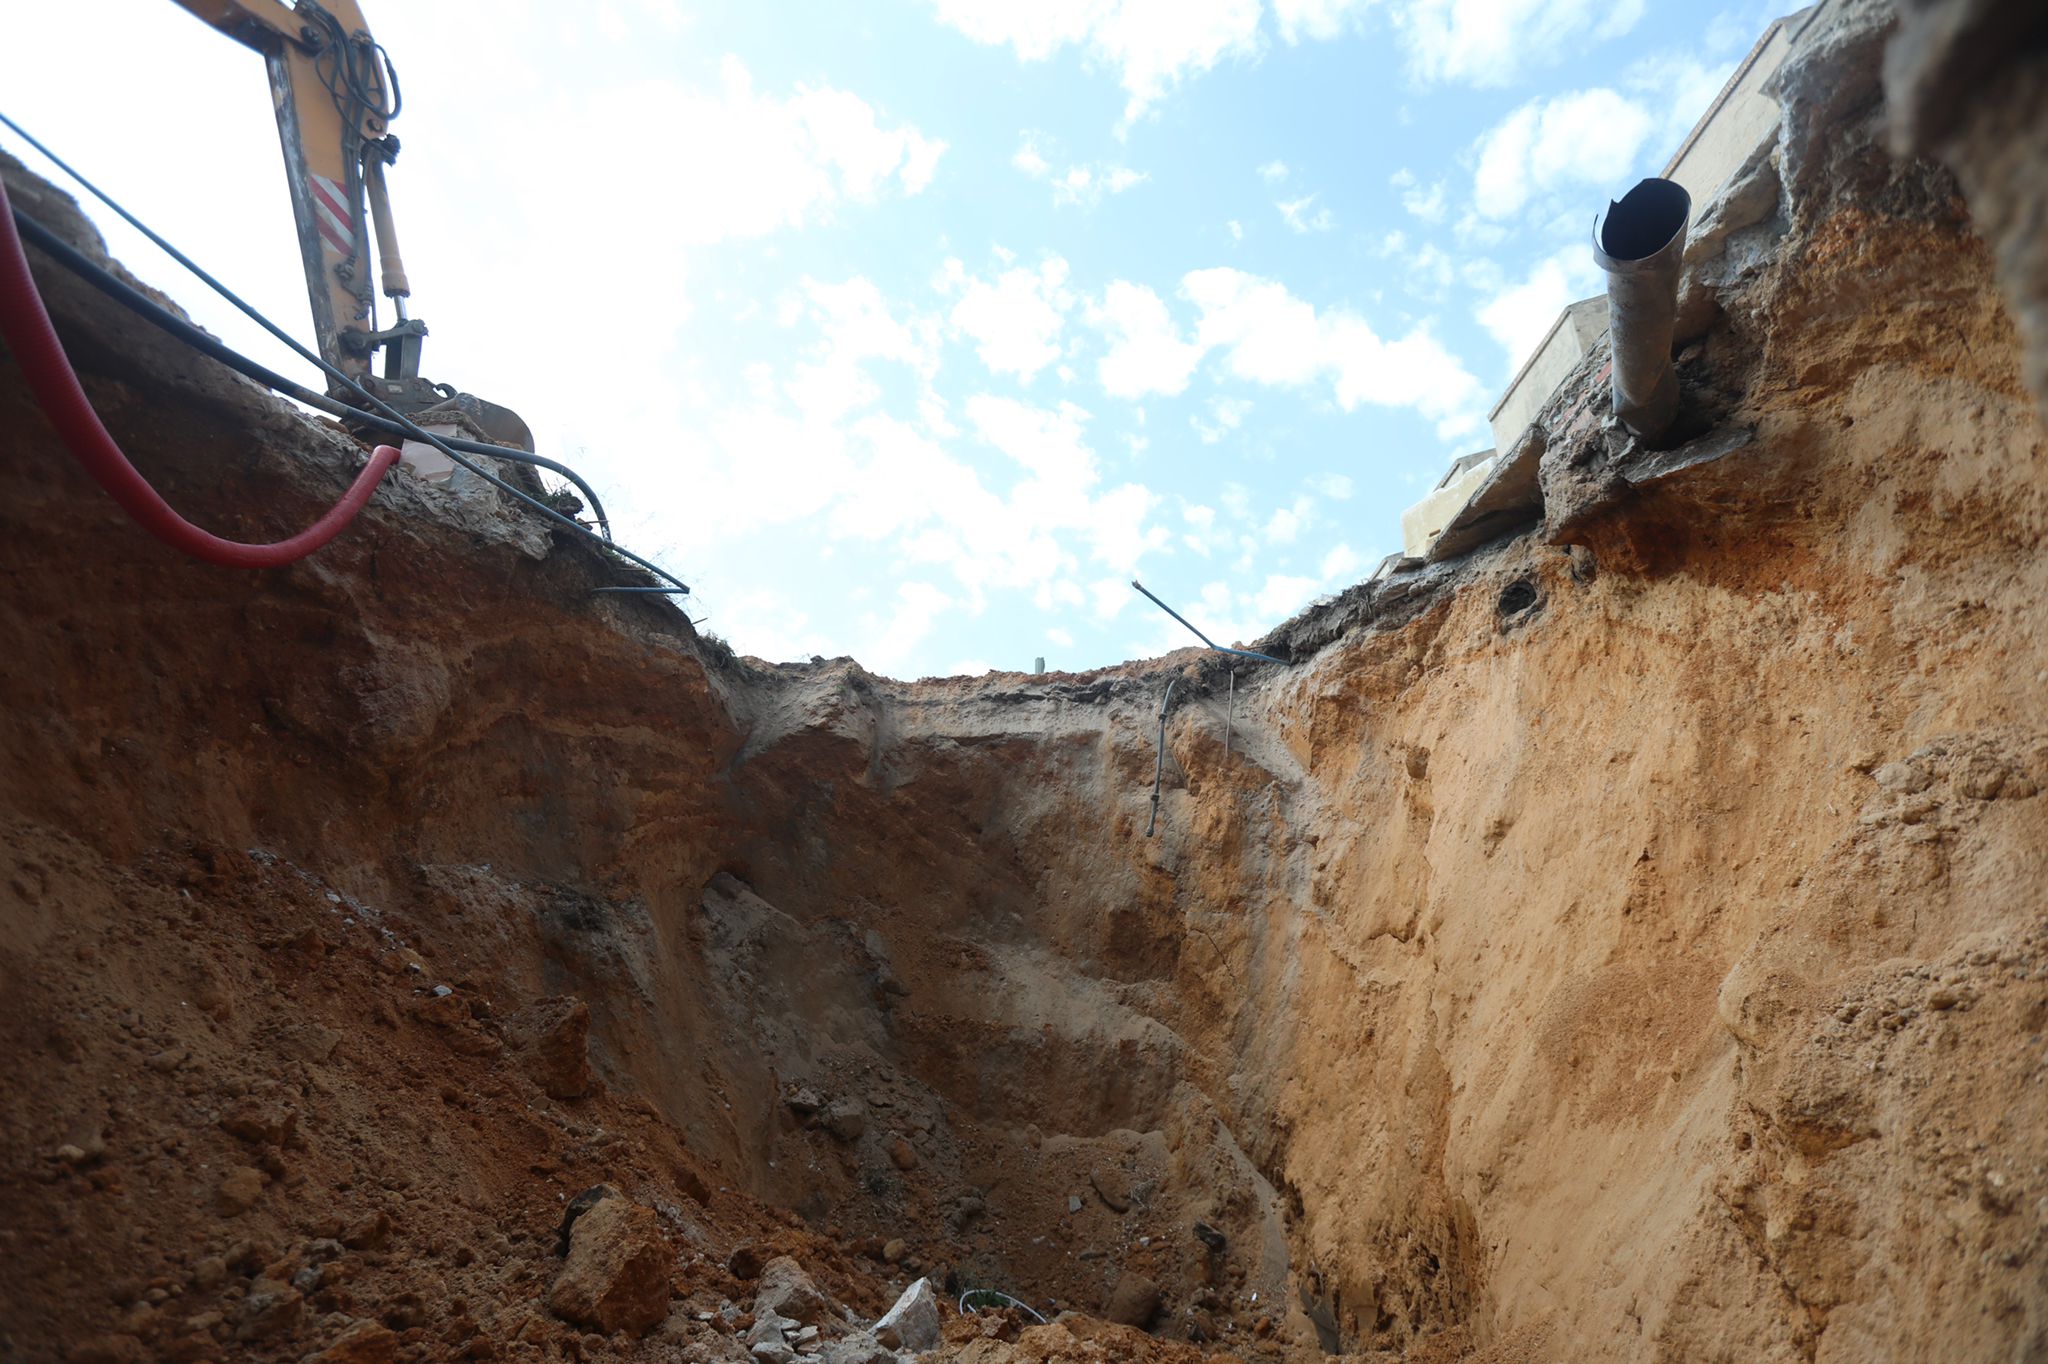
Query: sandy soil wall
x=1623, y=942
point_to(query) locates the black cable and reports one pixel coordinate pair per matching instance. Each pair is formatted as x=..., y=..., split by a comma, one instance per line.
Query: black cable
x=334, y=372
x=139, y=303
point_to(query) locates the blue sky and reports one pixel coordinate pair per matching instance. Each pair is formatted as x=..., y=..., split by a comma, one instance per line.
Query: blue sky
x=914, y=329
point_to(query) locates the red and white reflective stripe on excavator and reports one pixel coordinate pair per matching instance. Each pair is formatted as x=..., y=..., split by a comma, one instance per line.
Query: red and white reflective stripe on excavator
x=331, y=208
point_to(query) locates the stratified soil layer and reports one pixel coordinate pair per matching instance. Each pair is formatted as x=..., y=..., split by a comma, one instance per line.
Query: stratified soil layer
x=1626, y=941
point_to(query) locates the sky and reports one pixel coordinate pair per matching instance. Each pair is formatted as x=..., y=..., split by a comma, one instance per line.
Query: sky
x=916, y=329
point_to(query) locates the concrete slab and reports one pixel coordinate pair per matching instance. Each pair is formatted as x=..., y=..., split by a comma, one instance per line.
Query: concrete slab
x=1421, y=523
x=1508, y=497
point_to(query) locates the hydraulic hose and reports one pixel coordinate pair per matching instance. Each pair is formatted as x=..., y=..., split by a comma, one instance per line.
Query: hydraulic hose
x=146, y=308
x=26, y=326
x=411, y=428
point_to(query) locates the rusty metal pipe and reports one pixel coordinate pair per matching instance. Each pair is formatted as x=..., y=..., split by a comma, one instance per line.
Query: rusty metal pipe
x=1641, y=245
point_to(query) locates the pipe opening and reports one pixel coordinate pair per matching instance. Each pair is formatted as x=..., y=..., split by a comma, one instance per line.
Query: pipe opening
x=1641, y=246
x=1517, y=597
x=1645, y=220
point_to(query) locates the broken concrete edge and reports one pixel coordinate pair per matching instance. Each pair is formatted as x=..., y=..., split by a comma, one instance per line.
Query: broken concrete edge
x=1509, y=498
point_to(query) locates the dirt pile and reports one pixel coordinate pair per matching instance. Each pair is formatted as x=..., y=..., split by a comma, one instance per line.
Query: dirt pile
x=1625, y=941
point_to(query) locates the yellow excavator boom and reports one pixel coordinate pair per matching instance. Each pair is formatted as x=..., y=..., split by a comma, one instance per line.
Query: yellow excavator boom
x=336, y=93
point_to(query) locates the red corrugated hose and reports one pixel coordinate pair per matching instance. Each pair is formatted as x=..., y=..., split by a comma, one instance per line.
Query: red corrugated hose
x=25, y=325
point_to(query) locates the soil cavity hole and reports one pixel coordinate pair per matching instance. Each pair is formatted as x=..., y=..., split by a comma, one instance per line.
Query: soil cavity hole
x=1519, y=599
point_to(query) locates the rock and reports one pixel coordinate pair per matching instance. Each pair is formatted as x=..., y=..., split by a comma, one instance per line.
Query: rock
x=772, y=1352
x=1133, y=1302
x=209, y=1274
x=369, y=1232
x=239, y=1191
x=109, y=1349
x=1073, y=1203
x=745, y=1263
x=580, y=1204
x=271, y=1309
x=901, y=1153
x=442, y=1011
x=895, y=1249
x=1903, y=777
x=788, y=1292
x=366, y=1342
x=846, y=1119
x=1210, y=1237
x=552, y=1038
x=913, y=1323
x=168, y=1060
x=769, y=1326
x=616, y=1277
x=1112, y=1186
x=803, y=1100
x=858, y=1348
x=264, y=1124
x=313, y=1042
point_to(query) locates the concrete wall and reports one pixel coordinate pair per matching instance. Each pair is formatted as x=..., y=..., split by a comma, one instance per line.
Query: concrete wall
x=1569, y=338
x=1740, y=117
x=1423, y=522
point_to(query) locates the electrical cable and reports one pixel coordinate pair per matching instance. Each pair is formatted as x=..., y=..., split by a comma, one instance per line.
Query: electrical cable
x=30, y=335
x=1221, y=649
x=334, y=372
x=143, y=306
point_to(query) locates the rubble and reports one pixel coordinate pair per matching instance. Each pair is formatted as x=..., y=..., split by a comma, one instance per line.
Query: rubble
x=616, y=1277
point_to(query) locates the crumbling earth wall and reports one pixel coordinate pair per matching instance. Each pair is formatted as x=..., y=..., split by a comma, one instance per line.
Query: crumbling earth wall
x=1625, y=941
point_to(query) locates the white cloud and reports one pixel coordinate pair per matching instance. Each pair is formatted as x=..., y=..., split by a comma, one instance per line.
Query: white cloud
x=1341, y=564
x=1236, y=230
x=1273, y=172
x=1085, y=185
x=1109, y=596
x=1146, y=353
x=1226, y=415
x=890, y=643
x=1153, y=44
x=1426, y=202
x=1271, y=337
x=1319, y=19
x=1681, y=85
x=1047, y=442
x=1063, y=638
x=1586, y=137
x=1295, y=211
x=741, y=163
x=1284, y=526
x=1336, y=487
x=1030, y=160
x=1519, y=314
x=1282, y=595
x=1491, y=42
x=1017, y=319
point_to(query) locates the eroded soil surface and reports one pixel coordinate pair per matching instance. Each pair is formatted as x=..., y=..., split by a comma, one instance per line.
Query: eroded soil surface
x=1626, y=941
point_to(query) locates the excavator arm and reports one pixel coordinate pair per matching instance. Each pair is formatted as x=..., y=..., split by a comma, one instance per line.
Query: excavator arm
x=336, y=93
